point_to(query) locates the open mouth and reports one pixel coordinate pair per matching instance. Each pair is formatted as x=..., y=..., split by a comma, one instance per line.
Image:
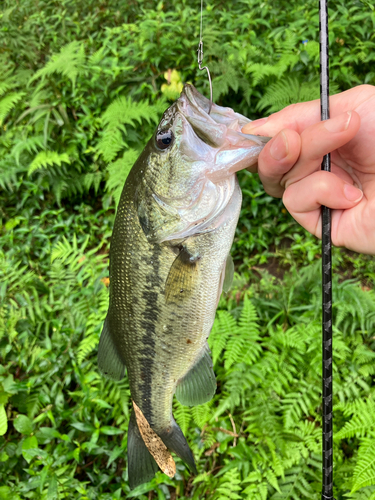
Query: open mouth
x=221, y=129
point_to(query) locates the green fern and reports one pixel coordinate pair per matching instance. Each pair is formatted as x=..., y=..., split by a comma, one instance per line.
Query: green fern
x=7, y=103
x=248, y=337
x=229, y=486
x=182, y=415
x=364, y=472
x=68, y=62
x=45, y=159
x=298, y=481
x=223, y=326
x=303, y=402
x=29, y=144
x=120, y=113
x=93, y=327
x=118, y=172
x=201, y=414
x=362, y=420
x=9, y=172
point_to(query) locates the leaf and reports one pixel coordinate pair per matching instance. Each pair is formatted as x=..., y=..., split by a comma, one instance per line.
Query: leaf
x=23, y=424
x=30, y=443
x=3, y=421
x=47, y=158
x=5, y=493
x=83, y=427
x=110, y=431
x=8, y=103
x=52, y=488
x=116, y=452
x=118, y=172
x=69, y=62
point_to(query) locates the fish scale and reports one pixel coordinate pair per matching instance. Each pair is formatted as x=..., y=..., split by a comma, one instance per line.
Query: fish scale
x=171, y=240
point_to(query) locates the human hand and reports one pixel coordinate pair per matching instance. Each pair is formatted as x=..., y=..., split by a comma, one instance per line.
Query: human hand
x=289, y=165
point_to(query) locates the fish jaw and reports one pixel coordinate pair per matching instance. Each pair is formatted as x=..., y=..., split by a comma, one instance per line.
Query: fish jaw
x=231, y=150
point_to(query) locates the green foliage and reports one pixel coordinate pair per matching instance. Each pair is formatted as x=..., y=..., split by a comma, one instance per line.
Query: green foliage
x=68, y=62
x=82, y=87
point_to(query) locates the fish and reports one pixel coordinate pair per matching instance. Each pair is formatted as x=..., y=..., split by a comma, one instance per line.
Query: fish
x=169, y=261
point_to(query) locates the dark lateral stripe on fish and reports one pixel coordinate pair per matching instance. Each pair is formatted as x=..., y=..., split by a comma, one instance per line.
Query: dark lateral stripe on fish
x=148, y=325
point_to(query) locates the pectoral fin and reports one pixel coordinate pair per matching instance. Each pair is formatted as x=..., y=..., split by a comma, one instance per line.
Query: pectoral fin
x=109, y=361
x=199, y=385
x=182, y=277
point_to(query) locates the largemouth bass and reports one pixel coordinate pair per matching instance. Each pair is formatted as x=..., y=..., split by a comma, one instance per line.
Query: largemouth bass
x=169, y=255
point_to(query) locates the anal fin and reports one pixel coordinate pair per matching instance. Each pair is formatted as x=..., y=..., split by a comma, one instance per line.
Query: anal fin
x=109, y=361
x=199, y=385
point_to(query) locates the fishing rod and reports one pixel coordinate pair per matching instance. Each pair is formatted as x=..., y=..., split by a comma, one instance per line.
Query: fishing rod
x=327, y=428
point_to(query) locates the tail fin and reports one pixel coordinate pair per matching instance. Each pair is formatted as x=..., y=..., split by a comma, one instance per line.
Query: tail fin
x=141, y=465
x=175, y=441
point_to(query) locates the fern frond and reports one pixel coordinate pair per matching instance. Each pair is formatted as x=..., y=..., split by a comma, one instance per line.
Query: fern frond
x=362, y=422
x=118, y=172
x=93, y=179
x=243, y=345
x=9, y=171
x=125, y=111
x=29, y=144
x=7, y=103
x=296, y=485
x=44, y=159
x=262, y=70
x=6, y=85
x=182, y=415
x=364, y=472
x=111, y=144
x=201, y=414
x=86, y=346
x=229, y=486
x=93, y=325
x=68, y=62
x=223, y=326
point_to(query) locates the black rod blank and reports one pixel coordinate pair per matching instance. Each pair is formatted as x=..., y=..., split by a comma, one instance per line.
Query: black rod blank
x=327, y=486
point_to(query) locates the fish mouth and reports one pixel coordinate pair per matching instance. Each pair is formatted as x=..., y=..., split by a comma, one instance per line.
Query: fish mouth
x=220, y=130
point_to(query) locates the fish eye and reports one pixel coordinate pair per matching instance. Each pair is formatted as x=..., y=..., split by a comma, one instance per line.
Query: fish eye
x=164, y=139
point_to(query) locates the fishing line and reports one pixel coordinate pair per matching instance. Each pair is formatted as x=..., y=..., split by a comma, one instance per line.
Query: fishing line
x=327, y=449
x=200, y=57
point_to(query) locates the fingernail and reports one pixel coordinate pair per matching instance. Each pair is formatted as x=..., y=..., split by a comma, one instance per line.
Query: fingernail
x=339, y=123
x=253, y=125
x=352, y=193
x=279, y=147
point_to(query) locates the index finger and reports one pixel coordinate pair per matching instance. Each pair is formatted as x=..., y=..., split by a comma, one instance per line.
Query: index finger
x=302, y=115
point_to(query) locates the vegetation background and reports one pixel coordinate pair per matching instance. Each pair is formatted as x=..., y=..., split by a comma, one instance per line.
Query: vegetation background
x=82, y=85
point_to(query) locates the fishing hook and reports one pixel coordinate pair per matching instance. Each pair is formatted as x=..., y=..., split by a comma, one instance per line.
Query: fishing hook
x=200, y=58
